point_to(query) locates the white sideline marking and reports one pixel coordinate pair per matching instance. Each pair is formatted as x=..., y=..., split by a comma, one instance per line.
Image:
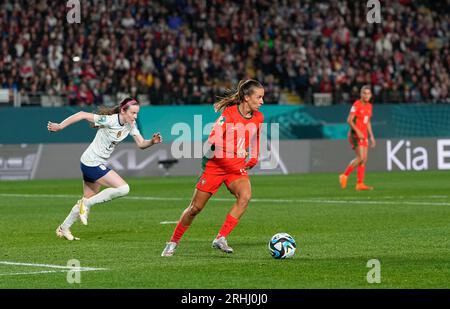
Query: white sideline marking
x=168, y=222
x=256, y=200
x=50, y=266
x=397, y=197
x=36, y=272
x=61, y=268
x=38, y=195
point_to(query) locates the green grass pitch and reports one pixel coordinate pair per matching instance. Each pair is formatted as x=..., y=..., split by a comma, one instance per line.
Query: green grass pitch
x=404, y=223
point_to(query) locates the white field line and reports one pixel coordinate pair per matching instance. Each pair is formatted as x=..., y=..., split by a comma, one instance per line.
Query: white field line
x=35, y=272
x=396, y=197
x=168, y=222
x=57, y=268
x=50, y=266
x=256, y=200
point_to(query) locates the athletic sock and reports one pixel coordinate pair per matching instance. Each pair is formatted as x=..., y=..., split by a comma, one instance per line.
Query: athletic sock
x=178, y=232
x=228, y=226
x=361, y=172
x=106, y=195
x=72, y=217
x=348, y=170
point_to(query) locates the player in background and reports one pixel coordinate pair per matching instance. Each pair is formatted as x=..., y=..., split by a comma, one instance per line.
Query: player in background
x=360, y=132
x=234, y=137
x=114, y=125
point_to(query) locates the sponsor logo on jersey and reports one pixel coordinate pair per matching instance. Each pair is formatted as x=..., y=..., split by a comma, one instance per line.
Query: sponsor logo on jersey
x=119, y=134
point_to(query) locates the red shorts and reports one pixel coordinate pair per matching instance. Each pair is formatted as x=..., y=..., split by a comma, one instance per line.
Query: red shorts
x=209, y=182
x=358, y=142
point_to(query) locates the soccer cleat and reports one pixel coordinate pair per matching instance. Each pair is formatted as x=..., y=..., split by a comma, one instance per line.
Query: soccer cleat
x=170, y=248
x=221, y=243
x=343, y=180
x=84, y=212
x=60, y=232
x=363, y=187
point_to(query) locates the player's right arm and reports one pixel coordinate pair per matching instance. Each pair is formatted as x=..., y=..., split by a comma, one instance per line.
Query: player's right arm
x=218, y=131
x=372, y=137
x=55, y=127
x=352, y=123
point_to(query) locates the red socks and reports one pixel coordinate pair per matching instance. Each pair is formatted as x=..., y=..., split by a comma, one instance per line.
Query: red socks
x=348, y=170
x=361, y=171
x=178, y=233
x=228, y=226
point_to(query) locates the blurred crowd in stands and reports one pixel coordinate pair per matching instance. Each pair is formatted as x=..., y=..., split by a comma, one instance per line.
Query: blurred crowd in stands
x=190, y=51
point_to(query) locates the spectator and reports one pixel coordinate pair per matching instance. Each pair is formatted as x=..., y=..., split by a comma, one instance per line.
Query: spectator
x=84, y=95
x=308, y=47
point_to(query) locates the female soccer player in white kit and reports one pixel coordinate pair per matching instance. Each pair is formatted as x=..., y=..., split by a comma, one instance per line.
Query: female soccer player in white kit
x=114, y=125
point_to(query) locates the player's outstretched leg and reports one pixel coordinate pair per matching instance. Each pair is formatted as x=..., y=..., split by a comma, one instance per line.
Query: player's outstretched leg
x=63, y=230
x=101, y=197
x=196, y=205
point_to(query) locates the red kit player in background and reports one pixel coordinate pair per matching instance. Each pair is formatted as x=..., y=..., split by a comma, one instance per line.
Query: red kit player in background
x=234, y=137
x=359, y=135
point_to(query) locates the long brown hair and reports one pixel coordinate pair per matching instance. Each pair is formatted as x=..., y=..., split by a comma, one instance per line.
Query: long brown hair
x=125, y=105
x=237, y=95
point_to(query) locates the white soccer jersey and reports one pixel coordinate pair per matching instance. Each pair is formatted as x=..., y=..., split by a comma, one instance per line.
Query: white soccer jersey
x=110, y=133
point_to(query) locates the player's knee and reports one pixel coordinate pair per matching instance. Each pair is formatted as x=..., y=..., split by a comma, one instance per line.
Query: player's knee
x=123, y=190
x=244, y=198
x=193, y=210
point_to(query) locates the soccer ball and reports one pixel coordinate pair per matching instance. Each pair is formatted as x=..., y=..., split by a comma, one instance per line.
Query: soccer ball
x=282, y=246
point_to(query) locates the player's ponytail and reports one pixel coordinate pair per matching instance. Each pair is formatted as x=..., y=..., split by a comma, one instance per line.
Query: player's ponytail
x=125, y=104
x=237, y=95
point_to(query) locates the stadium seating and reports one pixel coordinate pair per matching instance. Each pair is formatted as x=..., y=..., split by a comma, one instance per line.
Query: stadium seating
x=188, y=52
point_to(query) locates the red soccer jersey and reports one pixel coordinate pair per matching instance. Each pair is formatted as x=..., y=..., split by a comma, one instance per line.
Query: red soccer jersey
x=235, y=142
x=363, y=113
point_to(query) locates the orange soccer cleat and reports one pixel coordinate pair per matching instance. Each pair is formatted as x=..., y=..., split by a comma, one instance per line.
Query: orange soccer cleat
x=343, y=180
x=362, y=187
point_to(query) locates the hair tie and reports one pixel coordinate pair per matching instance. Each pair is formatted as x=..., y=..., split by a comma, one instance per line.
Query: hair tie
x=128, y=104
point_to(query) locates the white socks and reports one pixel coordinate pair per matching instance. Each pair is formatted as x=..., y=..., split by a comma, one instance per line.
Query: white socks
x=106, y=195
x=103, y=196
x=72, y=217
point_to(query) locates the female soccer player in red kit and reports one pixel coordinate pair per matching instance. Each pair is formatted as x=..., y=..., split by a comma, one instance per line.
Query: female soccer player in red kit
x=235, y=136
x=360, y=132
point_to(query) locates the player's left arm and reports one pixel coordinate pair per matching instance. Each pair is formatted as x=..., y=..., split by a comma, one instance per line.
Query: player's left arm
x=254, y=148
x=145, y=143
x=371, y=136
